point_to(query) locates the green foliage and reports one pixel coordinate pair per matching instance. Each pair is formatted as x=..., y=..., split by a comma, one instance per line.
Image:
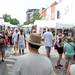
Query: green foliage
x=6, y=17
x=26, y=23
x=14, y=21
x=36, y=16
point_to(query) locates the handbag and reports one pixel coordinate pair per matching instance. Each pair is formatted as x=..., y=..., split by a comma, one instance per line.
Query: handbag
x=55, y=46
x=12, y=41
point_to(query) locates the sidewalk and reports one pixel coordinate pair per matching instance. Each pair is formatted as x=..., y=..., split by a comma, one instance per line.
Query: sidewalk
x=3, y=68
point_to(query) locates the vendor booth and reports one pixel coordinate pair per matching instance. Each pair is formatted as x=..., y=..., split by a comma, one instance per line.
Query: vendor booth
x=2, y=26
x=8, y=25
x=63, y=26
x=44, y=24
x=27, y=28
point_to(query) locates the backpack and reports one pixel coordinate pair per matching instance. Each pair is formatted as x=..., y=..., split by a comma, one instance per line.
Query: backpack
x=74, y=50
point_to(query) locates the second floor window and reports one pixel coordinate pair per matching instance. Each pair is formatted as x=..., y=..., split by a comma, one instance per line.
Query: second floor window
x=58, y=14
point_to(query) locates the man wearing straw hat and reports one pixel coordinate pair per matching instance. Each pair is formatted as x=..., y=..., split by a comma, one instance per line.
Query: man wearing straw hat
x=33, y=63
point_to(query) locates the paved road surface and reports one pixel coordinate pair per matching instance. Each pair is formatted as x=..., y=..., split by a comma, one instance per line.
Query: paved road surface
x=3, y=69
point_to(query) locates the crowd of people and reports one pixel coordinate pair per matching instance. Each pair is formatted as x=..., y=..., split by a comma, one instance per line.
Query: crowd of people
x=64, y=45
x=19, y=41
x=34, y=63
x=15, y=38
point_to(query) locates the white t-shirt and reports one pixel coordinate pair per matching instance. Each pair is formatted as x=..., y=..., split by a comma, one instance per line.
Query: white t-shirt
x=72, y=69
x=15, y=36
x=33, y=64
x=48, y=37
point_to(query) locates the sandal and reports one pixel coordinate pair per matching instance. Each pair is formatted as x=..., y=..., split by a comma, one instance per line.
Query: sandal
x=2, y=60
x=57, y=67
x=60, y=65
x=65, y=71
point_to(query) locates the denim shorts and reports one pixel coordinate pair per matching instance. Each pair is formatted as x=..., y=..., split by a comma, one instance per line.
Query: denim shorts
x=21, y=46
x=48, y=48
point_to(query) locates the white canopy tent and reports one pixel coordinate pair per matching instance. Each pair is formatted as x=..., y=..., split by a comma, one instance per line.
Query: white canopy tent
x=25, y=26
x=14, y=26
x=66, y=23
x=7, y=24
x=55, y=24
x=45, y=23
x=1, y=22
x=58, y=24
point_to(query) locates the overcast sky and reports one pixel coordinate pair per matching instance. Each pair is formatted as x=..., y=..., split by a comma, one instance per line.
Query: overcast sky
x=17, y=8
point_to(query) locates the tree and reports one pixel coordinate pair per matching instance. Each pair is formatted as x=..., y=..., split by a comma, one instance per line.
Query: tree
x=26, y=23
x=14, y=21
x=36, y=16
x=6, y=17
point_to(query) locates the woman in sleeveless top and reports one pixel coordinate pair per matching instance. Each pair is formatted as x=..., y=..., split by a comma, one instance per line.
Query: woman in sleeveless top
x=21, y=42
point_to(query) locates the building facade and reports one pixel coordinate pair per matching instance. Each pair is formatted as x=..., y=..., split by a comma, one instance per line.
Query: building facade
x=29, y=14
x=66, y=9
x=42, y=12
x=50, y=13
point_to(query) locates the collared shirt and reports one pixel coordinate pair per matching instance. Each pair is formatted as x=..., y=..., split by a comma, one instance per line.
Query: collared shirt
x=33, y=64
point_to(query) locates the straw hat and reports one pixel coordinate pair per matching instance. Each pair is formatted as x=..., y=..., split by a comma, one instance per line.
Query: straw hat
x=34, y=39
